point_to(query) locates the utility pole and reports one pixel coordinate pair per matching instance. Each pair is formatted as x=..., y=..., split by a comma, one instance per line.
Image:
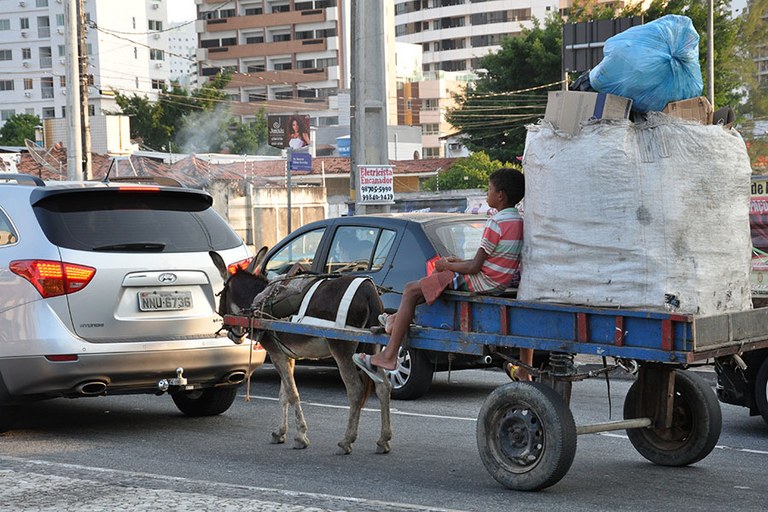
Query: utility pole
x=75, y=142
x=711, y=53
x=369, y=95
x=83, y=83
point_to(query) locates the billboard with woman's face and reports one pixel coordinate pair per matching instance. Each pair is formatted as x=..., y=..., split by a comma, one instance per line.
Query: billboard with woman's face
x=289, y=132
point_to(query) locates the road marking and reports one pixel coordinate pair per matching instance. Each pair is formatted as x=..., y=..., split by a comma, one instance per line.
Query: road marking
x=60, y=486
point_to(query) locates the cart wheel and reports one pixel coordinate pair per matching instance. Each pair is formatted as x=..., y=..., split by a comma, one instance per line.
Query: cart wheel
x=696, y=423
x=761, y=390
x=526, y=436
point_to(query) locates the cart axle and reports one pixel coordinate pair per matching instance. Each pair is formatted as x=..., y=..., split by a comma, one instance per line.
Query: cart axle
x=614, y=425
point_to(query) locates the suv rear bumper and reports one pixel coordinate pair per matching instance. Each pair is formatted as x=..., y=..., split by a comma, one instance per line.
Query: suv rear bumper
x=35, y=377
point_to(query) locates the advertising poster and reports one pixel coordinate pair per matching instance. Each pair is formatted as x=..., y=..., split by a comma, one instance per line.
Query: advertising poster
x=375, y=184
x=291, y=132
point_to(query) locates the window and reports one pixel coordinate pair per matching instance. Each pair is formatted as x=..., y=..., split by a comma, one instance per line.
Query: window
x=6, y=85
x=158, y=84
x=155, y=54
x=91, y=109
x=431, y=152
x=352, y=249
x=430, y=129
x=62, y=50
x=63, y=112
x=227, y=13
x=49, y=112
x=43, y=26
x=155, y=24
x=24, y=23
x=305, y=64
x=135, y=53
x=41, y=3
x=302, y=249
x=278, y=38
x=7, y=233
x=5, y=24
x=30, y=111
x=325, y=33
x=46, y=87
x=282, y=66
x=28, y=84
x=326, y=63
x=62, y=81
x=253, y=11
x=210, y=43
x=6, y=55
x=6, y=114
x=229, y=41
x=45, y=57
x=59, y=20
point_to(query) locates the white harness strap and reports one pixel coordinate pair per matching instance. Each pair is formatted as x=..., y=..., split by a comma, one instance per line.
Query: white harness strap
x=341, y=314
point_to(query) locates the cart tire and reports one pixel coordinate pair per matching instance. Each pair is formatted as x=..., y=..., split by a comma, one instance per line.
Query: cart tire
x=761, y=390
x=696, y=423
x=526, y=436
x=413, y=375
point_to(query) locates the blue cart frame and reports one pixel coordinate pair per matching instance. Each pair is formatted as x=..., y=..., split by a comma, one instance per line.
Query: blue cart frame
x=526, y=434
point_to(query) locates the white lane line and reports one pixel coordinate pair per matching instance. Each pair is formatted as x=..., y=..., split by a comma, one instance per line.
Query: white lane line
x=462, y=418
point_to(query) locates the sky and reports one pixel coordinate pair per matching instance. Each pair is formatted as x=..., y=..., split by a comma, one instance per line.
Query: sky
x=181, y=10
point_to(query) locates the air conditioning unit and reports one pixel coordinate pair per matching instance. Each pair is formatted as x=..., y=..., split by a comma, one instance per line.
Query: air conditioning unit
x=63, y=91
x=155, y=6
x=63, y=60
x=22, y=3
x=157, y=36
x=28, y=94
x=25, y=64
x=158, y=64
x=24, y=33
x=60, y=30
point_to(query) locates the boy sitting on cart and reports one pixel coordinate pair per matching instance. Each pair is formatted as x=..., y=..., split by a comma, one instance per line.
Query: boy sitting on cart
x=495, y=267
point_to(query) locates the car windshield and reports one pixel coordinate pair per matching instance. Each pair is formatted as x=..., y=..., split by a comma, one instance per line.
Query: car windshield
x=133, y=221
x=461, y=238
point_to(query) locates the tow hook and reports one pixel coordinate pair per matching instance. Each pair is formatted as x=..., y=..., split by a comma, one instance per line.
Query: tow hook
x=164, y=384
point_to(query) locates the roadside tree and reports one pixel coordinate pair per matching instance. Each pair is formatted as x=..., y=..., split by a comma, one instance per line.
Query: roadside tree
x=17, y=128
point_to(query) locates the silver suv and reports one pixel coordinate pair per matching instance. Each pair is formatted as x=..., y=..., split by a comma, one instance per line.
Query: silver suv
x=109, y=288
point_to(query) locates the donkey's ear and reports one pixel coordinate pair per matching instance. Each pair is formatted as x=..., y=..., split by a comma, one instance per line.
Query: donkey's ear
x=257, y=260
x=219, y=263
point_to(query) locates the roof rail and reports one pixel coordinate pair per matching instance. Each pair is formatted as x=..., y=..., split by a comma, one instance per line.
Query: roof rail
x=163, y=181
x=21, y=178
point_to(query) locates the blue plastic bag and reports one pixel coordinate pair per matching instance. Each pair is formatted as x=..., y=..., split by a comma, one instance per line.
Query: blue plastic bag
x=652, y=64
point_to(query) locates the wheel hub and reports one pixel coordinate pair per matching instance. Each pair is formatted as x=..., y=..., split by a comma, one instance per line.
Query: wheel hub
x=521, y=436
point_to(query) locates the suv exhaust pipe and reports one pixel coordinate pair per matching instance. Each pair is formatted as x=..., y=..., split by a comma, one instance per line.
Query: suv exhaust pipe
x=235, y=377
x=91, y=388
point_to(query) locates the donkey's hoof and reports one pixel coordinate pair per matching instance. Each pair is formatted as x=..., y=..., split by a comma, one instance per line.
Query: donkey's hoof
x=383, y=447
x=344, y=448
x=278, y=438
x=300, y=443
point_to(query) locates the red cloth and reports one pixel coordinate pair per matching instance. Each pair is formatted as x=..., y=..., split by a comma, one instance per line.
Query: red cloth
x=434, y=284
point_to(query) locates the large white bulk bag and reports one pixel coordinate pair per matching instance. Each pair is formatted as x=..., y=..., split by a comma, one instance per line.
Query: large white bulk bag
x=638, y=215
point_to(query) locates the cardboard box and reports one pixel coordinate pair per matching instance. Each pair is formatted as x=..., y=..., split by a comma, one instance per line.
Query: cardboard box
x=695, y=109
x=566, y=110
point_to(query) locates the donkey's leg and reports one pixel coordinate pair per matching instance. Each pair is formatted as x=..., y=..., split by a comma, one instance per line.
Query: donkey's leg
x=289, y=395
x=383, y=392
x=356, y=393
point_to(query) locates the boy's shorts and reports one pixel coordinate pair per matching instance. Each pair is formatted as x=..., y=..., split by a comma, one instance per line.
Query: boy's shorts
x=434, y=284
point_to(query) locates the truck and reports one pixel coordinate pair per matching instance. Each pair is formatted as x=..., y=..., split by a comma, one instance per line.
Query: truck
x=742, y=379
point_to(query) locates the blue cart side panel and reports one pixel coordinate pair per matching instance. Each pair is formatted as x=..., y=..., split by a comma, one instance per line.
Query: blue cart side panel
x=465, y=321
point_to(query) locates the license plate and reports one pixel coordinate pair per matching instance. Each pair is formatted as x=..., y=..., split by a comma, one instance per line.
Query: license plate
x=165, y=301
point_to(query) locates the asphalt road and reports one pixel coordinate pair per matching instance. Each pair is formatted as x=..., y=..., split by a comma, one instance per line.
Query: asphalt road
x=139, y=453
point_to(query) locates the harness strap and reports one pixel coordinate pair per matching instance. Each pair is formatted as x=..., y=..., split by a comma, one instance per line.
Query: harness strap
x=341, y=313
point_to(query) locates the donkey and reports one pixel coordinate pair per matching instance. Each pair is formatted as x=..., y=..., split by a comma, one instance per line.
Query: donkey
x=247, y=292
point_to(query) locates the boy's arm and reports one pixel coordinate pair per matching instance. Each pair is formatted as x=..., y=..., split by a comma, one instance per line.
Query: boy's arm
x=472, y=266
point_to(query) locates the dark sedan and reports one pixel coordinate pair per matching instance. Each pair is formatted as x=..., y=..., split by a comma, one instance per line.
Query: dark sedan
x=393, y=249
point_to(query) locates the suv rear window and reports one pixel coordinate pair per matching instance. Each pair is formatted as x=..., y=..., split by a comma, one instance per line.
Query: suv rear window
x=125, y=221
x=461, y=239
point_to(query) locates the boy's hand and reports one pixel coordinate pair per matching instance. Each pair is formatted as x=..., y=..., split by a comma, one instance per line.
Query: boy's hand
x=442, y=263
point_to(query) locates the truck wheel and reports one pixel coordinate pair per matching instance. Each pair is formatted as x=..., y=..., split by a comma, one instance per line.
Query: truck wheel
x=526, y=436
x=696, y=423
x=761, y=390
x=205, y=402
x=413, y=375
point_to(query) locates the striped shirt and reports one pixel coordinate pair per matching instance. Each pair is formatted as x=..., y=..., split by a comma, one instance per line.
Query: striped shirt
x=502, y=242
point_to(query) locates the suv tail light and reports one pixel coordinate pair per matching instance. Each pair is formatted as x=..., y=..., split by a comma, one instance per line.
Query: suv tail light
x=431, y=264
x=53, y=278
x=242, y=265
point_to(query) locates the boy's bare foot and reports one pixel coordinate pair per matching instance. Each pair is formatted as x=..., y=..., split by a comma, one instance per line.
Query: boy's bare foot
x=380, y=362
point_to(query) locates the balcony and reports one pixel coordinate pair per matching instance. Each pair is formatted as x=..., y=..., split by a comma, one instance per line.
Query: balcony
x=265, y=49
x=265, y=20
x=262, y=78
x=276, y=106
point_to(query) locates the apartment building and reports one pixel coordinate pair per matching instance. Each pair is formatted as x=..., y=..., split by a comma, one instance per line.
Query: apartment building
x=288, y=56
x=454, y=34
x=182, y=52
x=126, y=51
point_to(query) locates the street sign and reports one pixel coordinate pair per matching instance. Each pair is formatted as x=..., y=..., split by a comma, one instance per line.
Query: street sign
x=376, y=184
x=300, y=162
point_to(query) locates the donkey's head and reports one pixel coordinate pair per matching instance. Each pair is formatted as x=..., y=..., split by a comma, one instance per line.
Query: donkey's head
x=240, y=287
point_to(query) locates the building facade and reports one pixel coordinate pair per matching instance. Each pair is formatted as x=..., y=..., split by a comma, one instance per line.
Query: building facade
x=126, y=51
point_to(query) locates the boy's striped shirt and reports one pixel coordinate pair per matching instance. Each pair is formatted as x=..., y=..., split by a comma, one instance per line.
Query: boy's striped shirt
x=502, y=242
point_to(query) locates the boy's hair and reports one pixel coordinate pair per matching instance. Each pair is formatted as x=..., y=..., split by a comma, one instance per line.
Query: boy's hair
x=511, y=182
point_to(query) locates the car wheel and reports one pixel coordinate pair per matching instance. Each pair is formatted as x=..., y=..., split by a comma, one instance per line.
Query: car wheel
x=8, y=415
x=761, y=390
x=413, y=375
x=205, y=402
